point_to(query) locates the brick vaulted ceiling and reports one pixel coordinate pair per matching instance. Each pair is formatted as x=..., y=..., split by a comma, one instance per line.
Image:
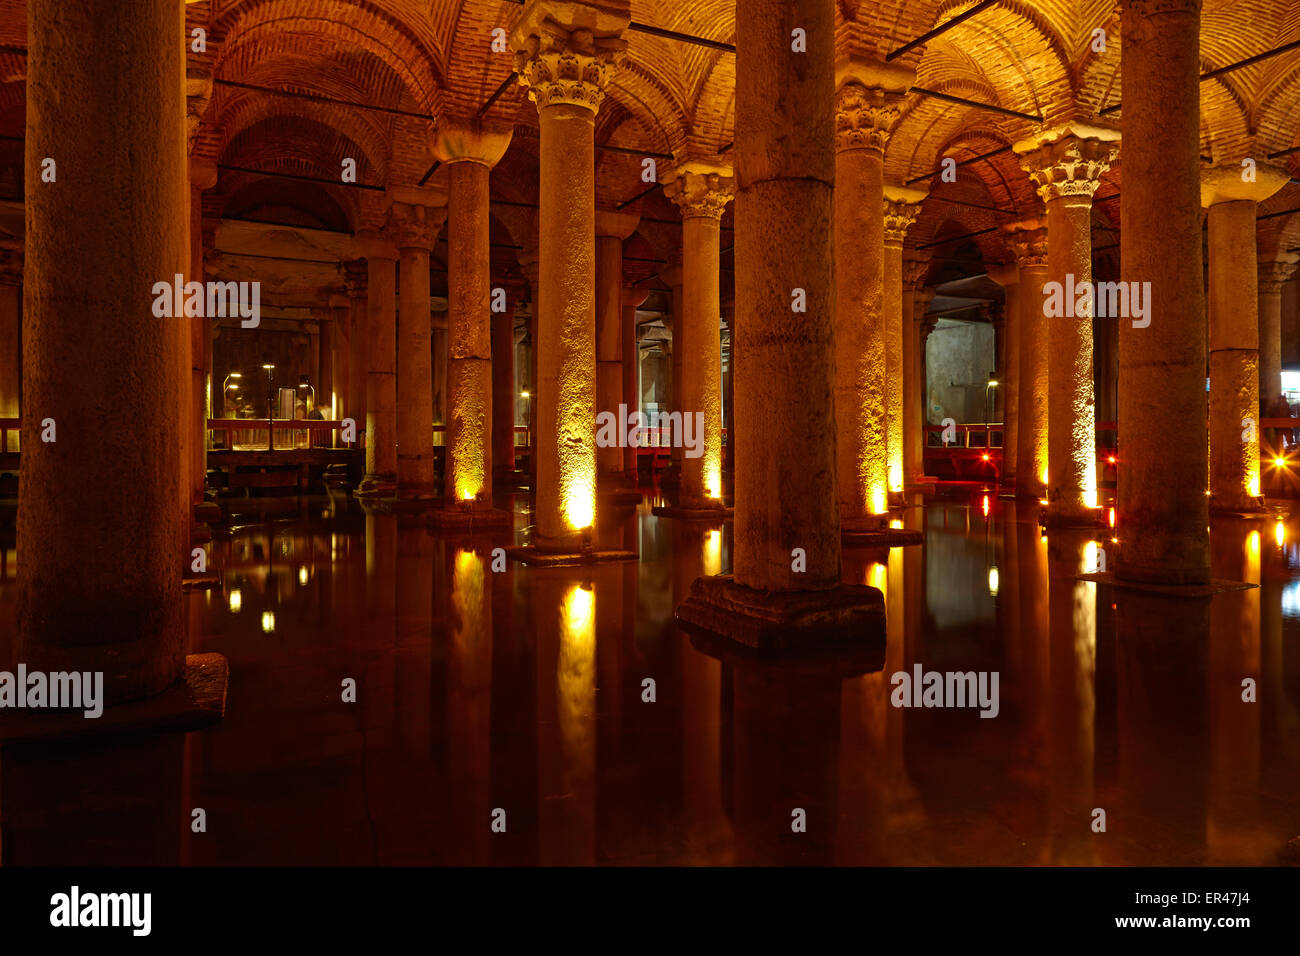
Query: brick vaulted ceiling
x=431, y=57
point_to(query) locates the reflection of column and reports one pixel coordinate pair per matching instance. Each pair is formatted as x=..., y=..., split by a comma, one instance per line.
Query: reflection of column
x=1162, y=511
x=902, y=206
x=864, y=116
x=565, y=54
x=915, y=267
x=1028, y=241
x=416, y=227
x=701, y=191
x=11, y=368
x=1272, y=275
x=674, y=277
x=612, y=228
x=99, y=583
x=503, y=383
x=1234, y=332
x=470, y=705
x=632, y=298
x=1008, y=276
x=470, y=150
x=381, y=383
x=354, y=405
x=1066, y=165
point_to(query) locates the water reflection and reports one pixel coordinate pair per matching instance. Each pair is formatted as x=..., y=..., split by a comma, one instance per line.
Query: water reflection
x=565, y=705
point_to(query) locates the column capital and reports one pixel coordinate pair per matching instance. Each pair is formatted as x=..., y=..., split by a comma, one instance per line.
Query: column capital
x=1233, y=182
x=915, y=267
x=1005, y=274
x=865, y=117
x=415, y=226
x=460, y=140
x=1068, y=160
x=611, y=222
x=566, y=51
x=701, y=190
x=634, y=296
x=198, y=93
x=203, y=173
x=1027, y=240
x=901, y=206
x=1273, y=274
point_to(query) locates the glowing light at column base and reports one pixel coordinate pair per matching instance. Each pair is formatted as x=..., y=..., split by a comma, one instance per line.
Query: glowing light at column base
x=895, y=476
x=1252, y=486
x=879, y=505
x=579, y=502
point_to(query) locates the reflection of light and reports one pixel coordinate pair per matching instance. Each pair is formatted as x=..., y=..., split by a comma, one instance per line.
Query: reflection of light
x=268, y=621
x=1252, y=545
x=896, y=524
x=524, y=395
x=878, y=506
x=1279, y=532
x=302, y=575
x=1110, y=517
x=712, y=551
x=984, y=505
x=993, y=581
x=1291, y=600
x=236, y=600
x=578, y=606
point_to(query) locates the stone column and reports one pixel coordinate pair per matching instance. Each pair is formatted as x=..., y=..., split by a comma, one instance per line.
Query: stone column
x=415, y=228
x=471, y=150
x=99, y=584
x=203, y=176
x=1234, y=332
x=11, y=368
x=1162, y=511
x=924, y=325
x=1007, y=275
x=702, y=191
x=381, y=378
x=674, y=276
x=503, y=384
x=1272, y=276
x=866, y=109
x=355, y=273
x=633, y=298
x=901, y=206
x=565, y=55
x=1028, y=243
x=915, y=267
x=1066, y=164
x=332, y=338
x=339, y=357
x=612, y=228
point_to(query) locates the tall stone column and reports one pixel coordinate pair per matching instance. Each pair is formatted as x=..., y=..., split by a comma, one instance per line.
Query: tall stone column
x=1028, y=243
x=471, y=150
x=702, y=191
x=99, y=584
x=415, y=227
x=633, y=298
x=915, y=267
x=503, y=383
x=1066, y=164
x=381, y=375
x=1007, y=275
x=924, y=324
x=565, y=55
x=901, y=208
x=339, y=357
x=674, y=276
x=333, y=333
x=355, y=274
x=866, y=108
x=1234, y=332
x=1162, y=511
x=1272, y=276
x=612, y=228
x=203, y=176
x=11, y=367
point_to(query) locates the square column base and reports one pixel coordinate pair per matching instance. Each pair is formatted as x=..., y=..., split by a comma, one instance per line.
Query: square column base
x=1095, y=518
x=377, y=486
x=455, y=518
x=784, y=621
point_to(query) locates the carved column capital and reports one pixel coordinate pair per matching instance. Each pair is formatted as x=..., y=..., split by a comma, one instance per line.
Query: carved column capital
x=415, y=226
x=916, y=266
x=865, y=116
x=1028, y=243
x=1272, y=275
x=902, y=206
x=1069, y=161
x=700, y=190
x=354, y=278
x=566, y=52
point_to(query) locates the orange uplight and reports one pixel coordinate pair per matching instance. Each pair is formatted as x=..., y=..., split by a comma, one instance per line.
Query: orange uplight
x=1111, y=517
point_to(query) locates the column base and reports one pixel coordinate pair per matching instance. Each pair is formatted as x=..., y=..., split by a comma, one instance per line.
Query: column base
x=535, y=556
x=377, y=486
x=693, y=512
x=785, y=621
x=1215, y=586
x=1247, y=509
x=455, y=517
x=207, y=581
x=873, y=531
x=1093, y=518
x=195, y=701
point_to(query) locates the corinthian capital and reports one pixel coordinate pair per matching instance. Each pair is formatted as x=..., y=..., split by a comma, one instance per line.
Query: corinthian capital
x=1069, y=160
x=1027, y=241
x=1272, y=275
x=865, y=116
x=415, y=226
x=566, y=51
x=700, y=190
x=901, y=206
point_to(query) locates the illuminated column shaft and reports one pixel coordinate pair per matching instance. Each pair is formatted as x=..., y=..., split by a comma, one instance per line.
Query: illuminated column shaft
x=633, y=297
x=340, y=361
x=1067, y=167
x=565, y=54
x=1162, y=507
x=99, y=583
x=1234, y=333
x=701, y=191
x=901, y=207
x=355, y=274
x=1028, y=241
x=415, y=227
x=11, y=369
x=863, y=118
x=202, y=176
x=785, y=184
x=503, y=384
x=1008, y=276
x=471, y=150
x=673, y=323
x=1271, y=277
x=914, y=270
x=381, y=384
x=611, y=229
